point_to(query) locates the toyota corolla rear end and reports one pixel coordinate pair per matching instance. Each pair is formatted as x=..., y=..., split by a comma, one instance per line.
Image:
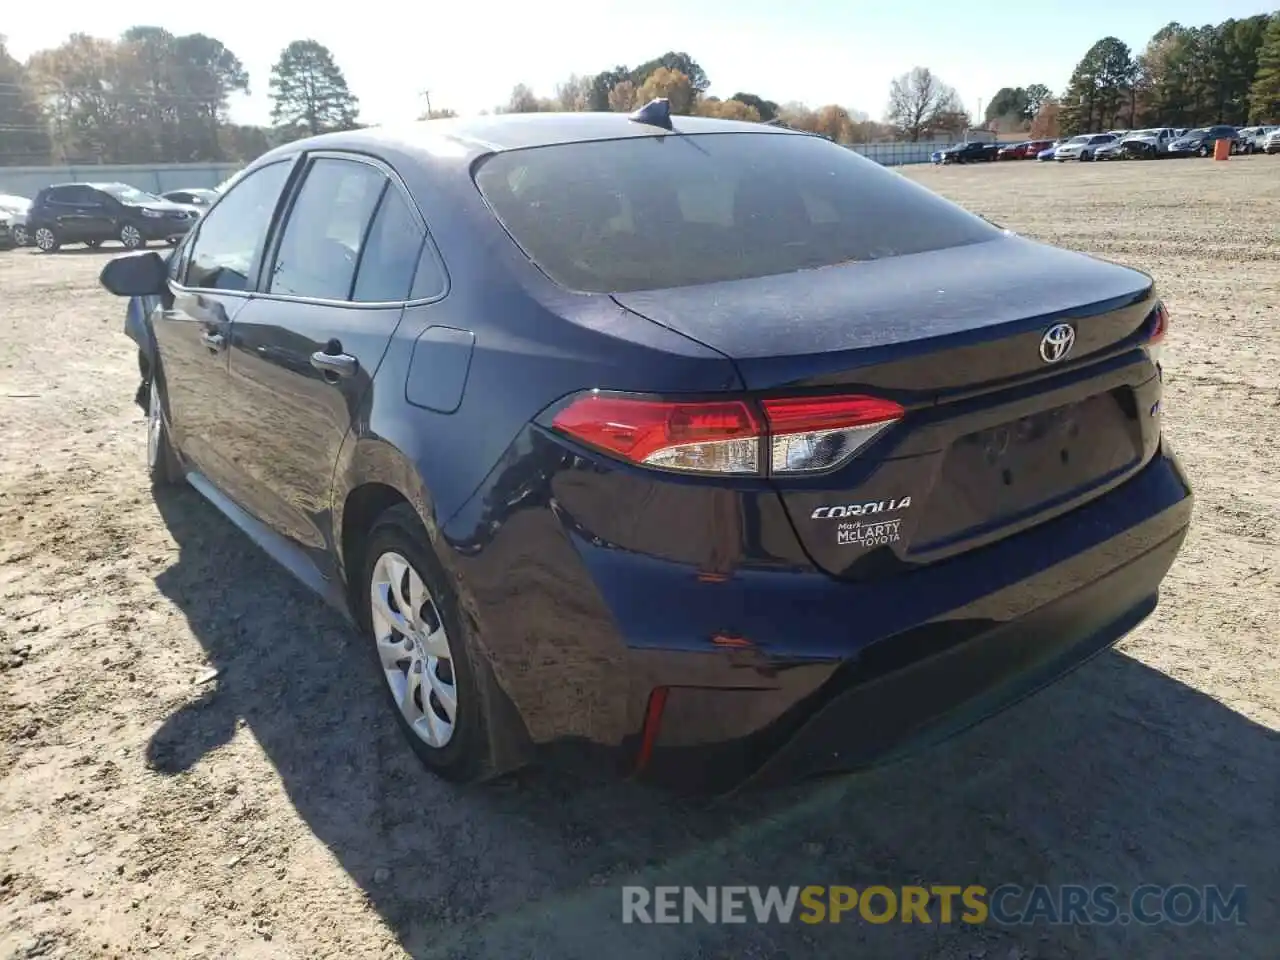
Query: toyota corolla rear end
x=932, y=481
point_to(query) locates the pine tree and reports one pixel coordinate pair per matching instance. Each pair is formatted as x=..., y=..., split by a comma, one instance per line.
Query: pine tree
x=309, y=92
x=1264, y=95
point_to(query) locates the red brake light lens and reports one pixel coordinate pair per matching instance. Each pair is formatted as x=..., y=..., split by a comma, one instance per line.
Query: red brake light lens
x=801, y=434
x=804, y=414
x=1159, y=327
x=713, y=437
x=1159, y=323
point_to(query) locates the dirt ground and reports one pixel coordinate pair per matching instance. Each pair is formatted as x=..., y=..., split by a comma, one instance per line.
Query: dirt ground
x=273, y=811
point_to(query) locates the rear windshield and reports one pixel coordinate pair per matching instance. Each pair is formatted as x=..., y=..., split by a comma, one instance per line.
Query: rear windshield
x=659, y=212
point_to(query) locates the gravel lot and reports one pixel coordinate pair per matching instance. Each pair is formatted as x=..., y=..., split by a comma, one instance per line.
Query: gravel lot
x=274, y=812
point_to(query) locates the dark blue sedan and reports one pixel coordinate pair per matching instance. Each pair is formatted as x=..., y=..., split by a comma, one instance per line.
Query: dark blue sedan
x=713, y=444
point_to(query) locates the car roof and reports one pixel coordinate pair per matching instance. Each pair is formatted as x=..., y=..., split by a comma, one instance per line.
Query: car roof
x=465, y=139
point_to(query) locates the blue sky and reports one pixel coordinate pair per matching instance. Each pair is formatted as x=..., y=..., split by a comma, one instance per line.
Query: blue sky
x=469, y=55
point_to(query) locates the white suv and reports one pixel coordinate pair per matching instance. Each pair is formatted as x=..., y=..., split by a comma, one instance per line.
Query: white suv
x=1271, y=144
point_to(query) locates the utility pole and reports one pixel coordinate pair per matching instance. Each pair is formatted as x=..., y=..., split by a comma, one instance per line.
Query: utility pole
x=426, y=95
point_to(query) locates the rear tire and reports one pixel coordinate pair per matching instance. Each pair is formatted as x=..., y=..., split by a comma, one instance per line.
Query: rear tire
x=47, y=240
x=20, y=238
x=163, y=466
x=408, y=612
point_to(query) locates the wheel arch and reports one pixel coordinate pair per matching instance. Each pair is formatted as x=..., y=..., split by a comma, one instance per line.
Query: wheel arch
x=372, y=477
x=356, y=516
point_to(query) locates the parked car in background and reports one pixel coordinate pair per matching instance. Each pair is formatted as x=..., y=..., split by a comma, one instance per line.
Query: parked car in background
x=1082, y=147
x=802, y=552
x=1048, y=152
x=1253, y=138
x=1026, y=150
x=975, y=151
x=1110, y=151
x=1033, y=148
x=1148, y=144
x=1271, y=144
x=1199, y=142
x=194, y=197
x=6, y=234
x=15, y=209
x=91, y=213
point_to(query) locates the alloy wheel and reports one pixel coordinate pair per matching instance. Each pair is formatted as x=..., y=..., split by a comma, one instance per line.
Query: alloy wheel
x=130, y=236
x=20, y=235
x=45, y=239
x=413, y=648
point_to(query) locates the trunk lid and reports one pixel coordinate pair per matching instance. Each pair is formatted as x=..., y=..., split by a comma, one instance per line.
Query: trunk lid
x=994, y=438
x=961, y=318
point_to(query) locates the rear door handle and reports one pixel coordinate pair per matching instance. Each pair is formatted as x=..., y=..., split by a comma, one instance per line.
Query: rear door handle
x=336, y=364
x=213, y=341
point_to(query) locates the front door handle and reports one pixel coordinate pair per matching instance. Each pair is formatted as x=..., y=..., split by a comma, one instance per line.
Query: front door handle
x=214, y=341
x=335, y=364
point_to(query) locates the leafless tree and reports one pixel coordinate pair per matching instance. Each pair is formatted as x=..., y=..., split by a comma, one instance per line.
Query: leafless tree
x=920, y=103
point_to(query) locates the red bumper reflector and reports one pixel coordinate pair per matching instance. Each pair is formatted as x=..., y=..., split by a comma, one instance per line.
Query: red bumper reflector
x=652, y=724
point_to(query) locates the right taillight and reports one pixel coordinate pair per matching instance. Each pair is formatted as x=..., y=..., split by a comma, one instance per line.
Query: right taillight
x=779, y=436
x=1155, y=337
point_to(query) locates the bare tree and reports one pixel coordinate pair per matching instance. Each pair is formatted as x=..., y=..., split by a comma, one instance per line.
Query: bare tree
x=574, y=94
x=920, y=103
x=523, y=100
x=622, y=98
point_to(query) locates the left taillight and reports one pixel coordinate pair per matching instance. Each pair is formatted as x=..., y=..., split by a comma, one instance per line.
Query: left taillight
x=779, y=436
x=1158, y=327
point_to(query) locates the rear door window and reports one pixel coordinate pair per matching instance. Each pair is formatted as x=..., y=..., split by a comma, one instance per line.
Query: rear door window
x=326, y=230
x=68, y=195
x=654, y=212
x=390, y=254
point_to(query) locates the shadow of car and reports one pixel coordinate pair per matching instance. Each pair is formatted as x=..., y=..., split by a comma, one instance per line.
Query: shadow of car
x=1119, y=774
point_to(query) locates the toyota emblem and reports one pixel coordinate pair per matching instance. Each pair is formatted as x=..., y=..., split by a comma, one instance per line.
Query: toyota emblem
x=1057, y=342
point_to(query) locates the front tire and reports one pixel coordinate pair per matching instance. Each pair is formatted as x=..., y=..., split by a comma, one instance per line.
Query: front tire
x=131, y=237
x=163, y=467
x=47, y=240
x=409, y=617
x=1203, y=151
x=20, y=238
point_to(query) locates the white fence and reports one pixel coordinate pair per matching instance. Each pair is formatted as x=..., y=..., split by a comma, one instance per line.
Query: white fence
x=155, y=178
x=897, y=154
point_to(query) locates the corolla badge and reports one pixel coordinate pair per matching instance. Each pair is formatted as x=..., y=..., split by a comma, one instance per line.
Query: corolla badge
x=1057, y=342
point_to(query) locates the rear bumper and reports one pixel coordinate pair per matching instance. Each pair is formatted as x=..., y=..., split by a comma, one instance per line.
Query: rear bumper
x=859, y=721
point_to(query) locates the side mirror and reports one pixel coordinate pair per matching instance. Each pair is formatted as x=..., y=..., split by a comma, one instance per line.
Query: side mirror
x=136, y=275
